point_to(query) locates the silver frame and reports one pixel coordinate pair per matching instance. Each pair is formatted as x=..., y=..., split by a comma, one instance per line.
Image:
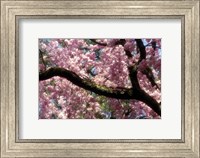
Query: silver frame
x=12, y=11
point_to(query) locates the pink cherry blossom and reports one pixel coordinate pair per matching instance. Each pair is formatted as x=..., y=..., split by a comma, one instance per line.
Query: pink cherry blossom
x=103, y=62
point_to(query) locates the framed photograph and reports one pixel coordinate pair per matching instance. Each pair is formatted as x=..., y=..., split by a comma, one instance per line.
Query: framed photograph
x=100, y=78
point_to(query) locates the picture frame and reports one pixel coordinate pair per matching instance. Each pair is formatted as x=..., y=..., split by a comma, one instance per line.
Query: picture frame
x=187, y=11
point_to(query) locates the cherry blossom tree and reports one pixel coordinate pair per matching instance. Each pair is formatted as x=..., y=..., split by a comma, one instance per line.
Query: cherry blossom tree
x=99, y=78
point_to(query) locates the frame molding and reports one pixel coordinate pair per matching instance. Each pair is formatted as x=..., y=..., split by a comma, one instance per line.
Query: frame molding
x=12, y=11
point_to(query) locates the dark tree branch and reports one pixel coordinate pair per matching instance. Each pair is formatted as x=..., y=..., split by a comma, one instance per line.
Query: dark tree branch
x=123, y=42
x=147, y=71
x=133, y=76
x=139, y=94
x=99, y=43
x=141, y=48
x=148, y=100
x=133, y=70
x=142, y=95
x=86, y=84
x=42, y=58
x=133, y=93
x=150, y=76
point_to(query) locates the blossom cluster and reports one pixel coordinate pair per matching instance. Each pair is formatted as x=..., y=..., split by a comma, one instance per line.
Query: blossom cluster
x=105, y=63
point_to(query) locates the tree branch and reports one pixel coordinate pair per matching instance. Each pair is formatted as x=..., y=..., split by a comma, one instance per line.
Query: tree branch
x=147, y=71
x=133, y=70
x=99, y=43
x=133, y=93
x=42, y=58
x=133, y=76
x=149, y=101
x=150, y=76
x=86, y=84
x=141, y=48
x=123, y=42
x=141, y=94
